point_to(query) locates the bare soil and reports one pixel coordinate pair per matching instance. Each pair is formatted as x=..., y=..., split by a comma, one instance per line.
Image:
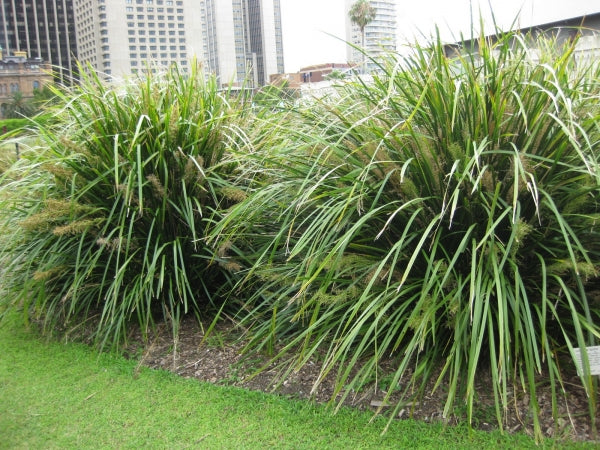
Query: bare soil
x=219, y=359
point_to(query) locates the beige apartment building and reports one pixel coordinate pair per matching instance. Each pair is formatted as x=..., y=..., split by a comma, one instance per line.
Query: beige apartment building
x=121, y=37
x=236, y=40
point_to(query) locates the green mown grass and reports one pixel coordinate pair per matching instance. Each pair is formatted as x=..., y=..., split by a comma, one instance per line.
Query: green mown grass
x=55, y=395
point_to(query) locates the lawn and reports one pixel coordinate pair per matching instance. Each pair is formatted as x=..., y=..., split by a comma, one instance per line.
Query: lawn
x=56, y=395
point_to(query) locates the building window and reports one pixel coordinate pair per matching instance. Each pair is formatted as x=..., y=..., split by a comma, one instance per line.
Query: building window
x=36, y=84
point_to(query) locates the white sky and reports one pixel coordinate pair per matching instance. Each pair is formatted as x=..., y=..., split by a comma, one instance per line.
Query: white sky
x=307, y=23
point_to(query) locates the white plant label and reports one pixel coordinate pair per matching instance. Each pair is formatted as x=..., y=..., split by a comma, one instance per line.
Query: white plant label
x=593, y=354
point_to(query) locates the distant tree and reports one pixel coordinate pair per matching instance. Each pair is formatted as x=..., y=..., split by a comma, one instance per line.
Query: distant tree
x=362, y=13
x=19, y=106
x=44, y=97
x=336, y=74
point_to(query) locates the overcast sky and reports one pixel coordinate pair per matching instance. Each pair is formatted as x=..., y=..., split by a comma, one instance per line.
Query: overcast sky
x=307, y=23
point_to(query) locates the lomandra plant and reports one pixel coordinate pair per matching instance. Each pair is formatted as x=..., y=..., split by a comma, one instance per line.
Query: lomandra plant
x=107, y=221
x=443, y=218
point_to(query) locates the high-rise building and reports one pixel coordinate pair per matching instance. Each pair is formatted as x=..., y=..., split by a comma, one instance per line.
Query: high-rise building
x=236, y=39
x=122, y=37
x=43, y=29
x=380, y=34
x=242, y=40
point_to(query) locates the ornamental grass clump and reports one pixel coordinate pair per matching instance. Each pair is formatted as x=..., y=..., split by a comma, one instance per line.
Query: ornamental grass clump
x=107, y=221
x=443, y=217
